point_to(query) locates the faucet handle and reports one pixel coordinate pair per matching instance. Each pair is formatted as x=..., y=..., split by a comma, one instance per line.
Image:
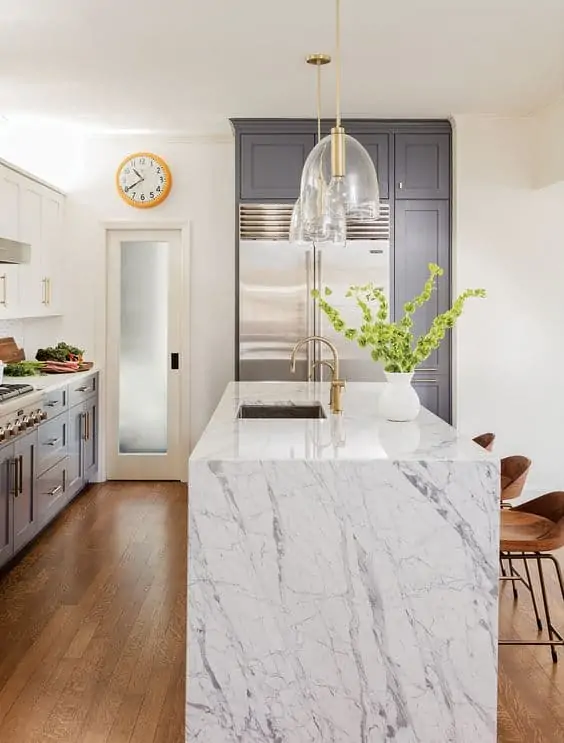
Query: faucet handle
x=337, y=387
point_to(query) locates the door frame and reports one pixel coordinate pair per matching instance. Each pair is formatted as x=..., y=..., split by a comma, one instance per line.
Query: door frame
x=183, y=228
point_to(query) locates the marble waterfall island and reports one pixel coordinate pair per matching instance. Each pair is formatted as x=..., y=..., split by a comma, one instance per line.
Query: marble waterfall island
x=342, y=576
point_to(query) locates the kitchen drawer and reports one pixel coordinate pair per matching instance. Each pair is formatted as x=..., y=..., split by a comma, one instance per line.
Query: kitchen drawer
x=55, y=402
x=53, y=442
x=82, y=388
x=51, y=492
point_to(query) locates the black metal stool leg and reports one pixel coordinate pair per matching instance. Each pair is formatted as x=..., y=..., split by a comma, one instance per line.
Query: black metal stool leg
x=558, y=572
x=533, y=597
x=502, y=566
x=546, y=608
x=512, y=571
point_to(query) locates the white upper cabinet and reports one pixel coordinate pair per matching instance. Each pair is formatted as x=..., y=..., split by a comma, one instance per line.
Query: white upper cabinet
x=33, y=213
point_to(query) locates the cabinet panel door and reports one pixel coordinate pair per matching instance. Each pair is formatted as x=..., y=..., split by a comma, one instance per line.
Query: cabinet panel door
x=91, y=440
x=53, y=442
x=377, y=146
x=271, y=164
x=51, y=492
x=422, y=168
x=422, y=236
x=75, y=462
x=52, y=207
x=6, y=504
x=26, y=520
x=30, y=232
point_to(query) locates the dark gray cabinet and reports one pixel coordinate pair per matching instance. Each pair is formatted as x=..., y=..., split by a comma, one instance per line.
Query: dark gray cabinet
x=26, y=517
x=90, y=442
x=271, y=165
x=422, y=166
x=6, y=504
x=51, y=489
x=378, y=147
x=422, y=236
x=75, y=464
x=413, y=161
x=43, y=470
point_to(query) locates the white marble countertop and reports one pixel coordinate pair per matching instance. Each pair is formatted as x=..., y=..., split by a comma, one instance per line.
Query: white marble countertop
x=47, y=382
x=358, y=434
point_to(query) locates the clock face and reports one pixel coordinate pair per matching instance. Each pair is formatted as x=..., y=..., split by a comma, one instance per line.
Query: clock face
x=143, y=180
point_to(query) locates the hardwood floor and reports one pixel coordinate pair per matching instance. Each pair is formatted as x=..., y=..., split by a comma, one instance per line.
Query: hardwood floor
x=92, y=631
x=92, y=623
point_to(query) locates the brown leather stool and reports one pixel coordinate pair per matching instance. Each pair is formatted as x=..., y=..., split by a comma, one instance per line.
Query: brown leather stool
x=529, y=533
x=514, y=471
x=485, y=440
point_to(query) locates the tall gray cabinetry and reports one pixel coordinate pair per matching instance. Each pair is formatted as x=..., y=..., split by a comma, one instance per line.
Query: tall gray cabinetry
x=414, y=165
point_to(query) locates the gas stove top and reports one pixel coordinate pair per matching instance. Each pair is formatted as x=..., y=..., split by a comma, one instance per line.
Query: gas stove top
x=9, y=391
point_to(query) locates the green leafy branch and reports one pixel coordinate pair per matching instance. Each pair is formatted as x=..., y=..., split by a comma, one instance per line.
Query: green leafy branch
x=393, y=343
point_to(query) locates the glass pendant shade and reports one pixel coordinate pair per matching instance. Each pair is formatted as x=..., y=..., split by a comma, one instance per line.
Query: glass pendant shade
x=323, y=226
x=356, y=191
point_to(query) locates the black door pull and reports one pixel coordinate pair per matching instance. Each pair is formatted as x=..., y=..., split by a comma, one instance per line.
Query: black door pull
x=175, y=361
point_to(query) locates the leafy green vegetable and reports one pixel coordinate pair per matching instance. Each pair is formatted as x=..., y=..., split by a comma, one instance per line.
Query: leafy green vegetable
x=22, y=368
x=61, y=352
x=393, y=343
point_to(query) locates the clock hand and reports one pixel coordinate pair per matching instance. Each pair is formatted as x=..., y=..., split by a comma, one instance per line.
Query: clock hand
x=128, y=188
x=137, y=174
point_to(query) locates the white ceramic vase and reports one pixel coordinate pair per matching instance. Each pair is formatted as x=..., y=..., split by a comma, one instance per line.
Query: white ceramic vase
x=399, y=401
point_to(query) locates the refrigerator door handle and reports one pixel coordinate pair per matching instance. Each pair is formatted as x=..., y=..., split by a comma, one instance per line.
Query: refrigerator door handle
x=310, y=285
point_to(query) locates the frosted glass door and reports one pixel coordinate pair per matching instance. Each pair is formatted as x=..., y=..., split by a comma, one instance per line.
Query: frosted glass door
x=143, y=309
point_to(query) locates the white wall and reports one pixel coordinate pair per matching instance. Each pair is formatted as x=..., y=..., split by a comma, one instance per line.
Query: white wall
x=203, y=195
x=509, y=238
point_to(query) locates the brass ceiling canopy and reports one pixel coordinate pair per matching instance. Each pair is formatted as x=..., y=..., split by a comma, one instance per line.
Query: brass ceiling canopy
x=318, y=59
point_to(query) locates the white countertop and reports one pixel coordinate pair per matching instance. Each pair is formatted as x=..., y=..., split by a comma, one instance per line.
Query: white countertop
x=358, y=434
x=46, y=382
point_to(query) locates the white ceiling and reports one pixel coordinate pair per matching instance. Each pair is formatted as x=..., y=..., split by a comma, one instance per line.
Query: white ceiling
x=180, y=65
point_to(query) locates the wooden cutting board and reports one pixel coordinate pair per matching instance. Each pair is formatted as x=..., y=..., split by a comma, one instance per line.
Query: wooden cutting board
x=9, y=351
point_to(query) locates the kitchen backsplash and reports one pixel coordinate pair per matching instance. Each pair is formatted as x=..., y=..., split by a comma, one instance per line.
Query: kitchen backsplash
x=33, y=333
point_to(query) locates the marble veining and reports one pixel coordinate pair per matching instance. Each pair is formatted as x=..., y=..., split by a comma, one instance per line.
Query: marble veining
x=338, y=597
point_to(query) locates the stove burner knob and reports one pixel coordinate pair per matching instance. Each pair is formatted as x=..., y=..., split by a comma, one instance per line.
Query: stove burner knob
x=17, y=426
x=35, y=417
x=42, y=416
x=10, y=429
x=2, y=433
x=26, y=423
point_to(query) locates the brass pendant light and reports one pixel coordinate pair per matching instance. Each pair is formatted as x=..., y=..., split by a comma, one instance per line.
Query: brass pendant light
x=316, y=224
x=351, y=183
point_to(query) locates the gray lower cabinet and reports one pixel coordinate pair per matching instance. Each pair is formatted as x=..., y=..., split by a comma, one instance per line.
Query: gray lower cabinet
x=43, y=470
x=270, y=165
x=51, y=491
x=422, y=166
x=26, y=516
x=6, y=504
x=422, y=236
x=90, y=440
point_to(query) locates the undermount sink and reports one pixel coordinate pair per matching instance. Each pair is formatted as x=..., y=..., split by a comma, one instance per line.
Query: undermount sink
x=282, y=410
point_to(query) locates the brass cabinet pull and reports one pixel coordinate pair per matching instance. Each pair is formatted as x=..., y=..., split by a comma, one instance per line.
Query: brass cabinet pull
x=20, y=474
x=44, y=291
x=87, y=426
x=55, y=491
x=13, y=474
x=48, y=291
x=82, y=389
x=52, y=442
x=4, y=280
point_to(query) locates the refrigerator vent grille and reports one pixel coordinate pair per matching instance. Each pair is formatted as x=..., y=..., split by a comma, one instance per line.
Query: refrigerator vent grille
x=272, y=222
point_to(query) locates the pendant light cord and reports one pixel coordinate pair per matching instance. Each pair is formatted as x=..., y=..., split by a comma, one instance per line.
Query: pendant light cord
x=319, y=103
x=338, y=60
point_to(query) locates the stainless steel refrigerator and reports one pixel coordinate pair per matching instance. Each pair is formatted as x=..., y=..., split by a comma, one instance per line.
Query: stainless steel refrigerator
x=275, y=306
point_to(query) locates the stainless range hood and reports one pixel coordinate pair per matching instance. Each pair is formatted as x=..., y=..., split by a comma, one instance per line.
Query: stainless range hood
x=12, y=251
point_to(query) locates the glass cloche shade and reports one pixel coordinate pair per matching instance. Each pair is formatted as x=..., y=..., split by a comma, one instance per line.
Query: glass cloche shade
x=325, y=226
x=357, y=190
